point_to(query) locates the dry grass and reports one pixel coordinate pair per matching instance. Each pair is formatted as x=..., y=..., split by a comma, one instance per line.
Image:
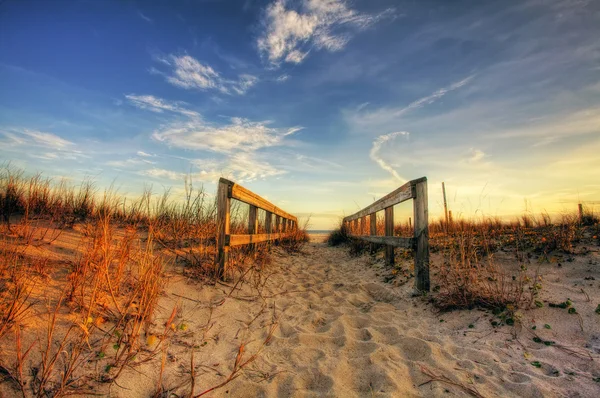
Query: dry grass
x=98, y=308
x=468, y=275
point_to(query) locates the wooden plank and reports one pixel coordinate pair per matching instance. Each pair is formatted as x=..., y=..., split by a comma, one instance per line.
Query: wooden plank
x=245, y=195
x=223, y=219
x=395, y=241
x=389, y=231
x=398, y=196
x=277, y=224
x=238, y=240
x=421, y=213
x=363, y=225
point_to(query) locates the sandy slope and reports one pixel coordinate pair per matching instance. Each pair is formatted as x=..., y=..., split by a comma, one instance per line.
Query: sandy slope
x=343, y=332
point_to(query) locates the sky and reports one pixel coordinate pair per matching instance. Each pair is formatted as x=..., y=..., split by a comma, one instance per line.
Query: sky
x=320, y=106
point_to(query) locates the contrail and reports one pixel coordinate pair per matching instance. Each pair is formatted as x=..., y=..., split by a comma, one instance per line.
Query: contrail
x=382, y=139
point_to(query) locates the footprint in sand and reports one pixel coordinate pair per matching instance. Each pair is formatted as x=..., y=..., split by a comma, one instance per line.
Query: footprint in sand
x=414, y=349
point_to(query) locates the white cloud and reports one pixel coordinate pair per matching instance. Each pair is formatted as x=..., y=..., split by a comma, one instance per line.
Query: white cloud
x=384, y=115
x=322, y=24
x=241, y=167
x=48, y=140
x=375, y=156
x=189, y=73
x=129, y=162
x=39, y=145
x=239, y=135
x=144, y=154
x=162, y=173
x=282, y=78
x=475, y=155
x=158, y=105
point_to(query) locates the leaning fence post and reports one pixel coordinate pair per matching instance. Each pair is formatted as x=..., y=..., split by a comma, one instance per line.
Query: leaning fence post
x=223, y=203
x=421, y=214
x=389, y=231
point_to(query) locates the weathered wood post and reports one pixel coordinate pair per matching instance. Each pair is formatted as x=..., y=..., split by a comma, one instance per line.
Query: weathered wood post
x=252, y=224
x=421, y=213
x=268, y=225
x=363, y=225
x=580, y=207
x=373, y=229
x=389, y=231
x=223, y=218
x=445, y=205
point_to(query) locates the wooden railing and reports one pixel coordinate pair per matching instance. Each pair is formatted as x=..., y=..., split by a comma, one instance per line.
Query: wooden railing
x=417, y=190
x=285, y=223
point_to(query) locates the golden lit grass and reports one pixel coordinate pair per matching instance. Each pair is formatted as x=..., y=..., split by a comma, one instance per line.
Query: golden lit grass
x=69, y=321
x=468, y=275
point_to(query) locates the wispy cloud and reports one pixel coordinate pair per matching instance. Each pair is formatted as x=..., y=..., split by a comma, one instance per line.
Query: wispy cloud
x=129, y=162
x=145, y=17
x=39, y=144
x=47, y=139
x=362, y=116
x=241, y=167
x=289, y=32
x=235, y=142
x=375, y=156
x=239, y=134
x=189, y=73
x=159, y=105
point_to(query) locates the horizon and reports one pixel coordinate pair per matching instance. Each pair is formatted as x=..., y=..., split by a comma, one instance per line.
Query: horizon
x=321, y=107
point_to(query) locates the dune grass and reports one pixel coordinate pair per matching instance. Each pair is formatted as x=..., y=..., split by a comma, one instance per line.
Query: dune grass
x=99, y=307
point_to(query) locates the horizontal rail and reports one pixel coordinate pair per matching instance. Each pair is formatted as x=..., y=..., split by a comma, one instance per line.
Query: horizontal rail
x=356, y=224
x=405, y=192
x=395, y=241
x=245, y=195
x=239, y=240
x=285, y=224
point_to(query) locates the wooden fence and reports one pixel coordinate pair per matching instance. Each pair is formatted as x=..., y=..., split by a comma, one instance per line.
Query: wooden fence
x=417, y=190
x=285, y=223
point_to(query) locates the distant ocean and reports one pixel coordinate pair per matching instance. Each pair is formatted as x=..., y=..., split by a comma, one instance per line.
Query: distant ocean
x=319, y=231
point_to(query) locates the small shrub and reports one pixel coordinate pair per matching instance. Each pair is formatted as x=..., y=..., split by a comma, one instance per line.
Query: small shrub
x=338, y=236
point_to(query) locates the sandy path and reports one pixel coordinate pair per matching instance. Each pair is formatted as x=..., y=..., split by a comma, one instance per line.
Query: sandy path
x=344, y=333
x=349, y=335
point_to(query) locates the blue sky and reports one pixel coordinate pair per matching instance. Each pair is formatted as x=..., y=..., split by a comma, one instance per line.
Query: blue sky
x=321, y=106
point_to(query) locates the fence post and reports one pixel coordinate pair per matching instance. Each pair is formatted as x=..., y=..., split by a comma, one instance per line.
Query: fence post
x=252, y=224
x=373, y=229
x=421, y=214
x=580, y=207
x=363, y=225
x=223, y=216
x=268, y=225
x=389, y=231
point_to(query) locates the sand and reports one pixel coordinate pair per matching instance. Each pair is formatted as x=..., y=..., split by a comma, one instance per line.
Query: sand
x=341, y=331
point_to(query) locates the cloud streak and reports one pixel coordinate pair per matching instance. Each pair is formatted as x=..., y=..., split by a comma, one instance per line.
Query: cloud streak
x=364, y=118
x=158, y=105
x=189, y=73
